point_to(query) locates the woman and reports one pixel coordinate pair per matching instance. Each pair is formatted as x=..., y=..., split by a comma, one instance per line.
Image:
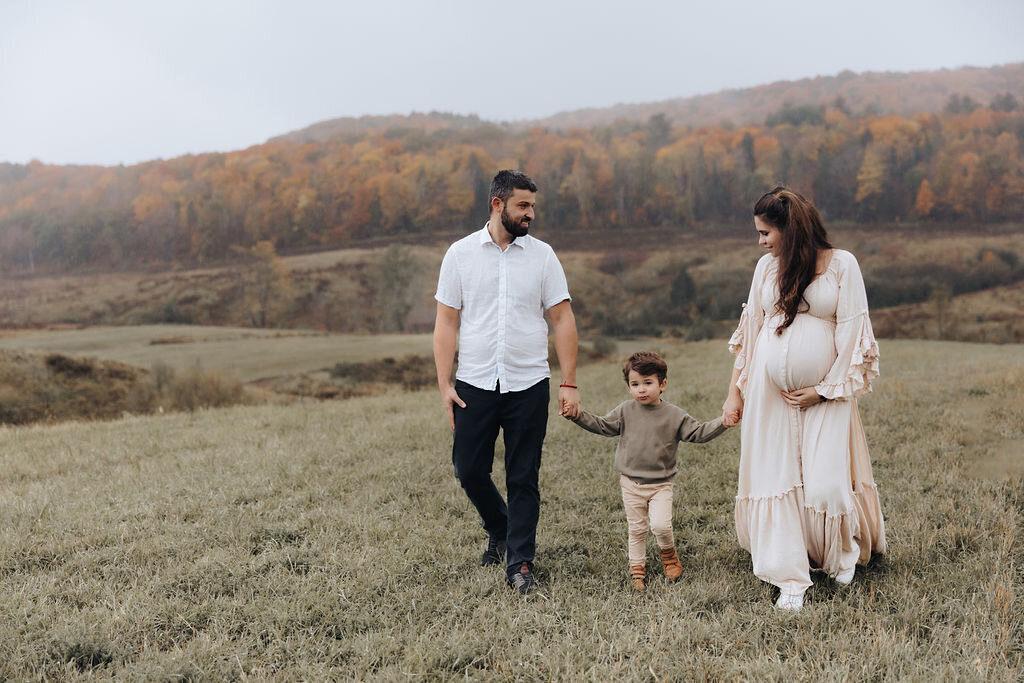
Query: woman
x=804, y=350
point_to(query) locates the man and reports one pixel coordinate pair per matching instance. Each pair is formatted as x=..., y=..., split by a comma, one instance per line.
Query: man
x=493, y=290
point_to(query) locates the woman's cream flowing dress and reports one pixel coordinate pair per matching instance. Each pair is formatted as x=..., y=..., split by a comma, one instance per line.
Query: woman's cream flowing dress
x=806, y=494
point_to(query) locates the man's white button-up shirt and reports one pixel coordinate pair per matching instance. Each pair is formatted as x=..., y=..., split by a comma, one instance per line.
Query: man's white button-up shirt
x=501, y=297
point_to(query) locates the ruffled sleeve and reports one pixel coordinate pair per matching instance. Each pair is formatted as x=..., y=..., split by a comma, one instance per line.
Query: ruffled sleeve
x=856, y=362
x=741, y=343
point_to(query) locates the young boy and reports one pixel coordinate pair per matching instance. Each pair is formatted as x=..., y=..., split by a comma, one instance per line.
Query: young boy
x=651, y=430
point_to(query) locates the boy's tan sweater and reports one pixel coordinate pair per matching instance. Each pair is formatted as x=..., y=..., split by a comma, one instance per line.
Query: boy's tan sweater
x=650, y=437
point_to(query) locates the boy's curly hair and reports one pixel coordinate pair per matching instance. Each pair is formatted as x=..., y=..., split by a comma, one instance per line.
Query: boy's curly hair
x=646, y=363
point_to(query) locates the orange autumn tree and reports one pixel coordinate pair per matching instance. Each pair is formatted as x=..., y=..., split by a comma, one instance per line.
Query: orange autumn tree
x=402, y=180
x=925, y=201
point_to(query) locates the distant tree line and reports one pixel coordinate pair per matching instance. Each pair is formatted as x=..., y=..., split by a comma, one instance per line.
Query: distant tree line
x=965, y=163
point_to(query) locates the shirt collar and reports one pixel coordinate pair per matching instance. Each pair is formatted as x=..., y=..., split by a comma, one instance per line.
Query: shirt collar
x=485, y=238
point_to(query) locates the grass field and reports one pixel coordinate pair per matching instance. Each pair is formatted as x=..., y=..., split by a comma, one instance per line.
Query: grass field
x=329, y=540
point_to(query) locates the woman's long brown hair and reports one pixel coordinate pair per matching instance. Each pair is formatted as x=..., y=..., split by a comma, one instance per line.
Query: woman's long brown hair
x=803, y=237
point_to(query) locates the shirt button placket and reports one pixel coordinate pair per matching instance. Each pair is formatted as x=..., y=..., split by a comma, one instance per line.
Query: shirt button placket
x=502, y=315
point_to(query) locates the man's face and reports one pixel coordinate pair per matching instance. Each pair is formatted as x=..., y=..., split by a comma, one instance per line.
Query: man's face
x=517, y=212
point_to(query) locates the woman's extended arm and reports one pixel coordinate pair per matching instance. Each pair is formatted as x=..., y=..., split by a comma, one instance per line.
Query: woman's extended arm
x=732, y=409
x=741, y=345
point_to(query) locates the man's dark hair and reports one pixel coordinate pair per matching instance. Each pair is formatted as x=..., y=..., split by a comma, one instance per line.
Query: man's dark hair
x=646, y=363
x=508, y=181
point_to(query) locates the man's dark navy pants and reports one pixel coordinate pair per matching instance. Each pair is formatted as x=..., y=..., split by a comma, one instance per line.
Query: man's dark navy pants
x=522, y=417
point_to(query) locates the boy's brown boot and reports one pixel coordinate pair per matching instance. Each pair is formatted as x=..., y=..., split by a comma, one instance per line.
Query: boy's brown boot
x=637, y=574
x=670, y=562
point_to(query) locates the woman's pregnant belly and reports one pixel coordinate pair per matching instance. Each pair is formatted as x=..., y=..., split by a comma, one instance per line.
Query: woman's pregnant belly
x=802, y=355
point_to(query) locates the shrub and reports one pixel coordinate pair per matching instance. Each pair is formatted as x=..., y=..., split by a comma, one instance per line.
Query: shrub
x=913, y=283
x=606, y=346
x=721, y=295
x=198, y=389
x=36, y=387
x=1005, y=255
x=699, y=331
x=683, y=288
x=170, y=313
x=66, y=365
x=412, y=372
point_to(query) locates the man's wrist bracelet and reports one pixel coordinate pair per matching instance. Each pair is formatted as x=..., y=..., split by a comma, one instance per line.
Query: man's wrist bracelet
x=569, y=386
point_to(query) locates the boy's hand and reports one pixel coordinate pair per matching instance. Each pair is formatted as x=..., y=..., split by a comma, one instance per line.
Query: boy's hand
x=569, y=402
x=567, y=416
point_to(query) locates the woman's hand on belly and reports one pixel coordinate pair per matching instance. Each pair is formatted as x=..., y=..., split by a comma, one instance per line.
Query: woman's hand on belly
x=802, y=398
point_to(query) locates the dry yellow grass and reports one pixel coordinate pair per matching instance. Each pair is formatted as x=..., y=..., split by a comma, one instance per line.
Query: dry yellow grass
x=329, y=541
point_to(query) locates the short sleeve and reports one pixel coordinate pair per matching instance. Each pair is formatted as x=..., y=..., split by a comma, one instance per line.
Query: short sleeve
x=857, y=355
x=449, y=285
x=554, y=287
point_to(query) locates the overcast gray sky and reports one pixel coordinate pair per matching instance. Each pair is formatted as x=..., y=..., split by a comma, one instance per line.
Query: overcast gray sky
x=122, y=81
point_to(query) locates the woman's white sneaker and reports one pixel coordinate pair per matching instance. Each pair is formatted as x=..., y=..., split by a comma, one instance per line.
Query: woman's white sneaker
x=845, y=578
x=793, y=603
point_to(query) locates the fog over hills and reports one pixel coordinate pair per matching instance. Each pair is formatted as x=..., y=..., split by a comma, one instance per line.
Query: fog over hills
x=902, y=93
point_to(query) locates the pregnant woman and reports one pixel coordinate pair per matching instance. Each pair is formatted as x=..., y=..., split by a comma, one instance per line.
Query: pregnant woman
x=804, y=351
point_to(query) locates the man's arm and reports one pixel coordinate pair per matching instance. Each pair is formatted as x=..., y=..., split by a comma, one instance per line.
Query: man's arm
x=566, y=347
x=446, y=329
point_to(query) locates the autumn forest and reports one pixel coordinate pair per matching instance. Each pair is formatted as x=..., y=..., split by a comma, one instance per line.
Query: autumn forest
x=964, y=164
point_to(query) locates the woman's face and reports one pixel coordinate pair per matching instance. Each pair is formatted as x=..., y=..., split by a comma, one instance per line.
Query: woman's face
x=768, y=236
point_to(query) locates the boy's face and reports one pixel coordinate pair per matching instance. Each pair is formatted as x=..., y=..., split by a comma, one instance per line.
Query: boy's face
x=646, y=389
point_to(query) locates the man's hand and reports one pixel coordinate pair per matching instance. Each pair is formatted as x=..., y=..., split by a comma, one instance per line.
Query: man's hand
x=446, y=330
x=569, y=402
x=566, y=347
x=450, y=398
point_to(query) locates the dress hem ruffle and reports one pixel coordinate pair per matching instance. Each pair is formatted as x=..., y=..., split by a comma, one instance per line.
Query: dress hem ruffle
x=827, y=534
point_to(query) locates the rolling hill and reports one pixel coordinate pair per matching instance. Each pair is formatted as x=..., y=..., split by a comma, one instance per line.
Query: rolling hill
x=886, y=92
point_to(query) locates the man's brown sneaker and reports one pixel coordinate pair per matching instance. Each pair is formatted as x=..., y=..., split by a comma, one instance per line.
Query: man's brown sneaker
x=670, y=563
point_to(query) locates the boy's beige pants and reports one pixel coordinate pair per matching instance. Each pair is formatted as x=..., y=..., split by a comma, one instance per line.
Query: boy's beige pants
x=642, y=501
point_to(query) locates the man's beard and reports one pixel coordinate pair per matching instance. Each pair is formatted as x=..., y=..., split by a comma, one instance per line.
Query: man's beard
x=512, y=227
